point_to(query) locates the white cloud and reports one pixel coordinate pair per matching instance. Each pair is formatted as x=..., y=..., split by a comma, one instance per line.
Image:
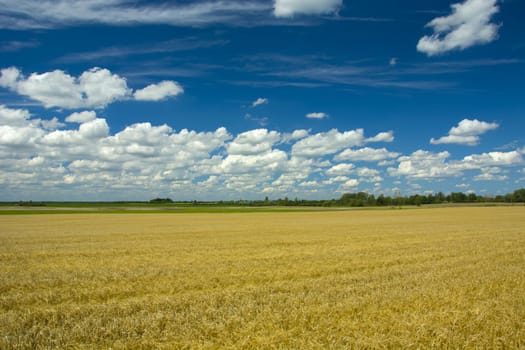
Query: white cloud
x=341, y=169
x=321, y=144
x=256, y=164
x=468, y=25
x=317, y=115
x=81, y=117
x=86, y=134
x=366, y=154
x=309, y=184
x=260, y=101
x=13, y=117
x=9, y=77
x=336, y=179
x=101, y=87
x=476, y=161
x=490, y=177
x=466, y=133
x=350, y=184
x=474, y=127
x=290, y=8
x=160, y=91
x=295, y=135
x=387, y=136
x=427, y=165
x=53, y=89
x=94, y=88
x=85, y=161
x=21, y=118
x=13, y=136
x=393, y=61
x=423, y=164
x=51, y=124
x=369, y=175
x=253, y=142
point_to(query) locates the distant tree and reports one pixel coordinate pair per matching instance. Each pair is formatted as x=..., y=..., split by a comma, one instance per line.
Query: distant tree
x=457, y=197
x=161, y=200
x=440, y=197
x=418, y=200
x=472, y=197
x=519, y=195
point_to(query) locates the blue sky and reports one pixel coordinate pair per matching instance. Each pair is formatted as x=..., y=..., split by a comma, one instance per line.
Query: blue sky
x=130, y=100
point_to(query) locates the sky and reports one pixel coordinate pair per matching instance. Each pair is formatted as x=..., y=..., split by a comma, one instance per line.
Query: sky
x=247, y=99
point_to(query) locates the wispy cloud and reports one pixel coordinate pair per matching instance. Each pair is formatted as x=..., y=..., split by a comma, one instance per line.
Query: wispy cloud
x=453, y=67
x=290, y=8
x=312, y=71
x=353, y=74
x=317, y=115
x=175, y=45
x=33, y=14
x=13, y=46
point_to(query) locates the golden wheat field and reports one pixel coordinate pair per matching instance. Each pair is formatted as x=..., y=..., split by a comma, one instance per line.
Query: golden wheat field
x=367, y=279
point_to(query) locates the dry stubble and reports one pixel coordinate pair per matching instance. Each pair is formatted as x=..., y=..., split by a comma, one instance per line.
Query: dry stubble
x=442, y=278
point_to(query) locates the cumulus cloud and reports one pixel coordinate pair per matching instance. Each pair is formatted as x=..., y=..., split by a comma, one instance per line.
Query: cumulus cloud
x=476, y=161
x=325, y=143
x=94, y=88
x=83, y=160
x=490, y=177
x=260, y=101
x=13, y=117
x=295, y=135
x=309, y=184
x=366, y=154
x=253, y=142
x=466, y=133
x=255, y=164
x=369, y=175
x=428, y=165
x=423, y=164
x=81, y=117
x=9, y=77
x=468, y=25
x=21, y=117
x=19, y=136
x=387, y=136
x=160, y=91
x=349, y=184
x=341, y=169
x=290, y=8
x=317, y=115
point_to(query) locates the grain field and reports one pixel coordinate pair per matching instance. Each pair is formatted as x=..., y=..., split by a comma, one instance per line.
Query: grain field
x=371, y=279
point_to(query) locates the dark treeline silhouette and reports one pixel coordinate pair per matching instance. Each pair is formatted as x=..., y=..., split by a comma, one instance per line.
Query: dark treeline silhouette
x=161, y=200
x=363, y=199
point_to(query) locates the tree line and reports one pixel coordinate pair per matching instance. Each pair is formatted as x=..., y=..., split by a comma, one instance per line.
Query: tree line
x=363, y=199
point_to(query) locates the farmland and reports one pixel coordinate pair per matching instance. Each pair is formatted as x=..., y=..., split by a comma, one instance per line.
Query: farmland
x=419, y=278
